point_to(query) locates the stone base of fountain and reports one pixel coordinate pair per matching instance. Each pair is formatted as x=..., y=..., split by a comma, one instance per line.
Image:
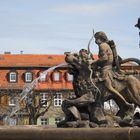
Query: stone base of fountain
x=47, y=133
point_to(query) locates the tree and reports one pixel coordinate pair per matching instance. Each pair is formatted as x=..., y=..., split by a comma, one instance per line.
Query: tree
x=35, y=107
x=31, y=105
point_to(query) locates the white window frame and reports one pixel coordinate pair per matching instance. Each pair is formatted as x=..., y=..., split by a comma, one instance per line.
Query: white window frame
x=69, y=77
x=44, y=121
x=11, y=75
x=28, y=76
x=12, y=101
x=44, y=97
x=58, y=99
x=57, y=120
x=56, y=76
x=42, y=77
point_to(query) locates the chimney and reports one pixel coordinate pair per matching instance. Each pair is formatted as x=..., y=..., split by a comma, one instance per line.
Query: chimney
x=21, y=52
x=7, y=52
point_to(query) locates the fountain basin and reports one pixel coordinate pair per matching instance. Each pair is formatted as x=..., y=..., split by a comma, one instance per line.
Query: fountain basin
x=47, y=133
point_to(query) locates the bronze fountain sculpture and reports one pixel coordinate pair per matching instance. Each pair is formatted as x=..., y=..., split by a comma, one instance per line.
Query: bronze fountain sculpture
x=96, y=81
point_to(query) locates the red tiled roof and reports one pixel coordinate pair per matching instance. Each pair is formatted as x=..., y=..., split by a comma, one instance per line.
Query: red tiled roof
x=31, y=60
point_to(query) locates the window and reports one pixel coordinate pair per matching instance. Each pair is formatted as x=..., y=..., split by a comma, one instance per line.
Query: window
x=56, y=76
x=44, y=121
x=57, y=120
x=69, y=77
x=13, y=77
x=42, y=77
x=12, y=122
x=12, y=101
x=58, y=99
x=28, y=77
x=44, y=99
x=72, y=95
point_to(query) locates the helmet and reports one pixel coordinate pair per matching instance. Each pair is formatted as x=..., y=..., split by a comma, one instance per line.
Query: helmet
x=101, y=35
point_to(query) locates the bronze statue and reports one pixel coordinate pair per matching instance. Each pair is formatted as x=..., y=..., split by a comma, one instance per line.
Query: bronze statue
x=85, y=106
x=105, y=62
x=96, y=81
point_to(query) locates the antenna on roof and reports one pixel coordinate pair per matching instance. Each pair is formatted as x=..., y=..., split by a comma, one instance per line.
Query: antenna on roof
x=7, y=52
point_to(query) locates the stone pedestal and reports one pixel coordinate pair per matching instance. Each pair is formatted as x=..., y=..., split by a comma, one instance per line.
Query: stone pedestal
x=45, y=133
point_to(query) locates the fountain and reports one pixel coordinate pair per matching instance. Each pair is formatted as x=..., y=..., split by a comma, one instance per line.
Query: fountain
x=95, y=82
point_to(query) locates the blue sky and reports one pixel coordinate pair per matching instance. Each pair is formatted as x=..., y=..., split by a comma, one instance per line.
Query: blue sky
x=56, y=26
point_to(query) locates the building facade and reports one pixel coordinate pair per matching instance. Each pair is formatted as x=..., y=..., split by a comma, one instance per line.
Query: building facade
x=16, y=71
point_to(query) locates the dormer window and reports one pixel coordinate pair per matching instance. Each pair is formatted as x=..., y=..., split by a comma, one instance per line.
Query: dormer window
x=43, y=77
x=28, y=77
x=69, y=77
x=56, y=76
x=13, y=77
